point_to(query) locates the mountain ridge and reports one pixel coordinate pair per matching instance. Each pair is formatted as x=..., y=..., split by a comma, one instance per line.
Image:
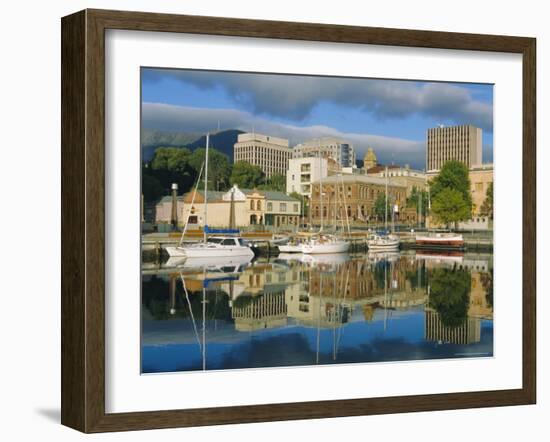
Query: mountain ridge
x=222, y=141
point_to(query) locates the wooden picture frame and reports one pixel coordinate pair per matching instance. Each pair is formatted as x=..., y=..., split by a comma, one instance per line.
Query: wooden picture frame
x=83, y=219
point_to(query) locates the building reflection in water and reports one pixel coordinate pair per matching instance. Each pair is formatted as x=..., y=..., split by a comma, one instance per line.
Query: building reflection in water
x=324, y=294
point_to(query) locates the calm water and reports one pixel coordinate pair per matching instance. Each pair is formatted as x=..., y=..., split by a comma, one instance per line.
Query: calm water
x=305, y=310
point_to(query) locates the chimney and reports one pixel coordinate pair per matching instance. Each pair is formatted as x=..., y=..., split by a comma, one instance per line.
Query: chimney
x=174, y=216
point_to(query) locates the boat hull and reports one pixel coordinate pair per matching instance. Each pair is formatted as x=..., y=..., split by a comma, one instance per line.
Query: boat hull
x=176, y=252
x=384, y=247
x=207, y=252
x=334, y=247
x=450, y=243
x=286, y=248
x=221, y=252
x=441, y=242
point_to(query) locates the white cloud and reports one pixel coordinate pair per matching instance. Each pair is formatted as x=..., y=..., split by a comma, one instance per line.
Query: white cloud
x=295, y=96
x=167, y=117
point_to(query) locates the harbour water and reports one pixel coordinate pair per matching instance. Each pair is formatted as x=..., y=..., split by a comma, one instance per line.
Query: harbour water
x=307, y=310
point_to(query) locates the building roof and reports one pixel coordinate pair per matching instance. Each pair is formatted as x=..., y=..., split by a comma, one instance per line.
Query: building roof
x=270, y=194
x=337, y=179
x=380, y=168
x=482, y=167
x=213, y=195
x=370, y=155
x=168, y=198
x=218, y=196
x=279, y=196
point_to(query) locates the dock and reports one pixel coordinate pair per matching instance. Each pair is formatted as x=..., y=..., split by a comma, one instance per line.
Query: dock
x=153, y=245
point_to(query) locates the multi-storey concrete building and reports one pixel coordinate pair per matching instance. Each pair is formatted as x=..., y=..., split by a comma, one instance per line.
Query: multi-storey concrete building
x=304, y=171
x=481, y=177
x=340, y=151
x=460, y=143
x=352, y=197
x=271, y=154
x=469, y=332
x=404, y=176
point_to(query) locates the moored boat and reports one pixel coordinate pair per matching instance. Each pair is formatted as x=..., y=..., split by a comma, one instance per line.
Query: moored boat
x=383, y=243
x=324, y=243
x=215, y=246
x=440, y=240
x=290, y=248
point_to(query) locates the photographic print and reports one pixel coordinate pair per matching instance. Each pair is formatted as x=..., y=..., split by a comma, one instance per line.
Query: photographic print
x=299, y=220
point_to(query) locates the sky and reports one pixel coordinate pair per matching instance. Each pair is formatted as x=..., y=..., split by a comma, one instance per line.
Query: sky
x=391, y=116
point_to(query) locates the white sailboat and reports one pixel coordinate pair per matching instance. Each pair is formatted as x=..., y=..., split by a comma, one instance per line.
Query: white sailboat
x=293, y=245
x=323, y=242
x=215, y=246
x=385, y=242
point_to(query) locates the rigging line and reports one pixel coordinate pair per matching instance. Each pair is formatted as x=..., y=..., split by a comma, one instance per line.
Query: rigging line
x=341, y=329
x=192, y=203
x=191, y=311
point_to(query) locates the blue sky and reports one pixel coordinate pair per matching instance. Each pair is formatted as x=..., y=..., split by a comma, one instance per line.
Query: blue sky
x=391, y=116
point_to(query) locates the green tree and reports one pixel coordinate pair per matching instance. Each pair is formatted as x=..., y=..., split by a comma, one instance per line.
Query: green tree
x=487, y=206
x=304, y=202
x=450, y=194
x=276, y=182
x=219, y=168
x=175, y=159
x=171, y=165
x=453, y=175
x=379, y=207
x=450, y=294
x=246, y=176
x=418, y=198
x=449, y=207
x=150, y=187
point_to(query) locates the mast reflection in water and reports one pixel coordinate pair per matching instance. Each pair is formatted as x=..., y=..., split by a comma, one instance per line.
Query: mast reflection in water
x=305, y=310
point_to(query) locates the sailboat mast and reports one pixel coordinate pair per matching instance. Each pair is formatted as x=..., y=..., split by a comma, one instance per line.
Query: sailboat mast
x=206, y=185
x=321, y=185
x=191, y=207
x=386, y=205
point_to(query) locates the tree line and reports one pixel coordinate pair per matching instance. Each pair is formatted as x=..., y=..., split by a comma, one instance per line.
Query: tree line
x=180, y=165
x=451, y=198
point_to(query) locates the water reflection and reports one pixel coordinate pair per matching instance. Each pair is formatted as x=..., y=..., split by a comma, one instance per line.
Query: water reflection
x=305, y=310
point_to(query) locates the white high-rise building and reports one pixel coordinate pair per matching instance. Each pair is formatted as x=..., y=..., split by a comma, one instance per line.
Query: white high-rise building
x=303, y=171
x=271, y=154
x=340, y=151
x=460, y=143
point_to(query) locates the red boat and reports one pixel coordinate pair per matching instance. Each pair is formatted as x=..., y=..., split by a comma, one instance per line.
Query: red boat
x=440, y=240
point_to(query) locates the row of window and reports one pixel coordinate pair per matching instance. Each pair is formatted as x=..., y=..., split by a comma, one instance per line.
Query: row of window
x=257, y=205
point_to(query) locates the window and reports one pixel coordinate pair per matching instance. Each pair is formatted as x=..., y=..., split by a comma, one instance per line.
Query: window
x=283, y=207
x=228, y=242
x=258, y=205
x=269, y=206
x=251, y=204
x=296, y=208
x=479, y=187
